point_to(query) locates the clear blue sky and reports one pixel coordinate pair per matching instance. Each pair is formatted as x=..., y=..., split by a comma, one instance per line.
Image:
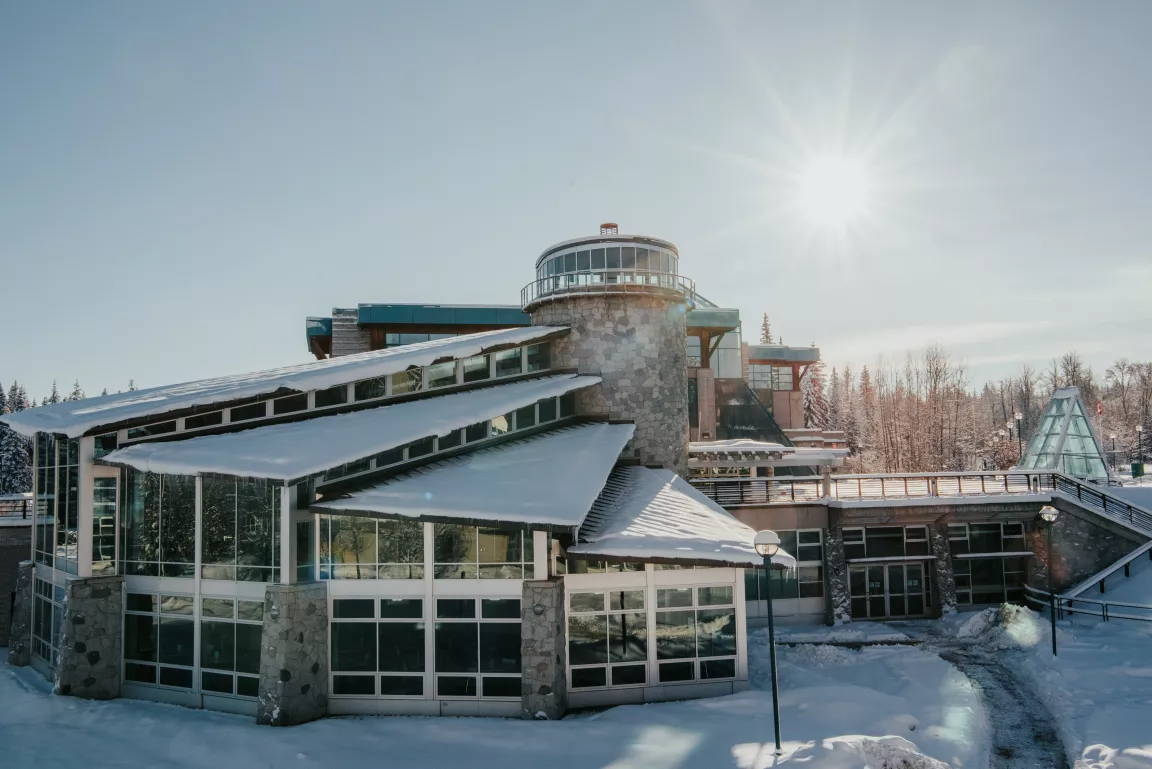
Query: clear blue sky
x=181, y=184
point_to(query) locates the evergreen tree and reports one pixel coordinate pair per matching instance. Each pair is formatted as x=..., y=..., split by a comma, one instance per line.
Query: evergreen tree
x=765, y=330
x=15, y=449
x=812, y=388
x=104, y=391
x=131, y=385
x=77, y=394
x=835, y=403
x=54, y=396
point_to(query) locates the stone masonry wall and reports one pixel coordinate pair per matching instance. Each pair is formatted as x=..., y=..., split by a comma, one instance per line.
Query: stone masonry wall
x=839, y=597
x=636, y=345
x=90, y=639
x=20, y=633
x=945, y=588
x=1082, y=547
x=294, y=655
x=544, y=690
x=15, y=546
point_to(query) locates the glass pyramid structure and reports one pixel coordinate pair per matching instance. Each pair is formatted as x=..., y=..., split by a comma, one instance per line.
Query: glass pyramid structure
x=1065, y=441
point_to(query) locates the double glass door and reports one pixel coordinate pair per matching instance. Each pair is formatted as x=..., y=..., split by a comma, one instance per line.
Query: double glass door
x=888, y=590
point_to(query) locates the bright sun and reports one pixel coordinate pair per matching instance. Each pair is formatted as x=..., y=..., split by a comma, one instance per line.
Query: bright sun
x=834, y=191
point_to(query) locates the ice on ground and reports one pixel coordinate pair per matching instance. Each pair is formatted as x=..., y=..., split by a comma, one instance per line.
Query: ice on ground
x=841, y=709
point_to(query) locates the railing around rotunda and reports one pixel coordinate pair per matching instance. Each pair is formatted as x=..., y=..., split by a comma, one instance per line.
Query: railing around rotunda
x=607, y=282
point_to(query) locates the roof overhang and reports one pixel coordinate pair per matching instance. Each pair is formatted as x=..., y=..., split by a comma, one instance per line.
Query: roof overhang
x=546, y=480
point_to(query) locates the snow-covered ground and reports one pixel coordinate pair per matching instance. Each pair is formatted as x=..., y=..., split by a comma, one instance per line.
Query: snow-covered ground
x=1098, y=688
x=841, y=709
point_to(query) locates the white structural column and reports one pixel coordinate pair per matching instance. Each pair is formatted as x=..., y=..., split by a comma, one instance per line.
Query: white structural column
x=287, y=573
x=540, y=554
x=84, y=508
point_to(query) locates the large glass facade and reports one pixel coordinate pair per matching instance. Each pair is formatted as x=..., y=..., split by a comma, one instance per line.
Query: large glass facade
x=471, y=552
x=158, y=525
x=47, y=618
x=240, y=529
x=367, y=548
x=104, y=516
x=989, y=562
x=1065, y=441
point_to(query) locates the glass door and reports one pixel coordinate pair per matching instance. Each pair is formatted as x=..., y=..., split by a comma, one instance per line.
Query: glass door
x=887, y=590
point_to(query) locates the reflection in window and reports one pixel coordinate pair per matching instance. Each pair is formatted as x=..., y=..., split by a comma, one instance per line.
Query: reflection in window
x=470, y=552
x=240, y=529
x=366, y=548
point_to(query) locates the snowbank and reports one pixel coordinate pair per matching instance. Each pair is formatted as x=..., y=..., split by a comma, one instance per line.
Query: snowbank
x=878, y=708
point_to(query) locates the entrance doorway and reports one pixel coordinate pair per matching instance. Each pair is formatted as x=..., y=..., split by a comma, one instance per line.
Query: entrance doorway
x=888, y=590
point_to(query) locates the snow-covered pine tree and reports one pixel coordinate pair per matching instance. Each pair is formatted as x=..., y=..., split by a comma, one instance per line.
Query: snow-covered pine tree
x=131, y=385
x=765, y=330
x=54, y=396
x=104, y=391
x=15, y=449
x=835, y=403
x=77, y=394
x=812, y=389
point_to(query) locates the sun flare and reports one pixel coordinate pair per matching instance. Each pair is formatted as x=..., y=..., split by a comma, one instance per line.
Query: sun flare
x=834, y=191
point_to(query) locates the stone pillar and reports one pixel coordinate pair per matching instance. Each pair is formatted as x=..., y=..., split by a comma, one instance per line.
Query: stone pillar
x=294, y=655
x=706, y=402
x=20, y=633
x=839, y=608
x=90, y=640
x=543, y=650
x=945, y=583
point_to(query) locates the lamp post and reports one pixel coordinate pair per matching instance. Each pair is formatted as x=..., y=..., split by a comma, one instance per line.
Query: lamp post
x=1140, y=443
x=767, y=544
x=1049, y=513
x=1113, y=451
x=1019, y=434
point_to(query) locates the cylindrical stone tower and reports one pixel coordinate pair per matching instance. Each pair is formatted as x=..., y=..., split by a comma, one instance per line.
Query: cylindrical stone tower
x=624, y=301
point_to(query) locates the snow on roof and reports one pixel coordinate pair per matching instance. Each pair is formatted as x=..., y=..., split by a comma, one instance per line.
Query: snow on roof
x=75, y=418
x=736, y=445
x=655, y=514
x=297, y=449
x=549, y=479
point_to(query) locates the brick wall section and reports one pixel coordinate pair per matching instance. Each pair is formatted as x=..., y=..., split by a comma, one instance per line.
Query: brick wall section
x=15, y=546
x=636, y=345
x=543, y=650
x=1083, y=544
x=294, y=655
x=19, y=638
x=90, y=639
x=944, y=588
x=347, y=337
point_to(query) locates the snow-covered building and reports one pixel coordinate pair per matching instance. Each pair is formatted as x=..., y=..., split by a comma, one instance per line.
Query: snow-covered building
x=482, y=523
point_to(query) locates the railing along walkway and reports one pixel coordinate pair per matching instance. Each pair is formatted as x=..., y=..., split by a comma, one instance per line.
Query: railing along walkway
x=1090, y=607
x=15, y=507
x=738, y=492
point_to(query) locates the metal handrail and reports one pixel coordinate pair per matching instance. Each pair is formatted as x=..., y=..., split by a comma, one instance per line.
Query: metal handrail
x=606, y=282
x=1066, y=604
x=1124, y=563
x=15, y=507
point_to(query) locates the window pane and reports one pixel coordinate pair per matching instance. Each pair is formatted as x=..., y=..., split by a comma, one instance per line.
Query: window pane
x=492, y=686
x=402, y=686
x=714, y=596
x=390, y=457
x=407, y=381
x=204, y=420
x=675, y=634
x=499, y=546
x=455, y=543
x=588, y=677
x=508, y=362
x=456, y=686
x=352, y=608
x=253, y=611
x=539, y=357
x=402, y=608
x=567, y=404
x=248, y=648
x=353, y=547
x=587, y=640
x=369, y=389
x=442, y=374
x=177, y=641
x=885, y=542
x=176, y=677
x=401, y=647
x=677, y=671
x=457, y=647
x=586, y=602
x=247, y=687
x=333, y=396
x=217, y=645
x=178, y=519
x=716, y=632
x=627, y=599
x=141, y=602
x=717, y=669
x=627, y=637
x=421, y=448
x=500, y=608
x=526, y=417
x=476, y=369
x=672, y=597
x=500, y=647
x=476, y=432
x=244, y=413
x=353, y=685
x=629, y=675
x=984, y=537
x=220, y=683
x=216, y=607
x=354, y=646
x=139, y=638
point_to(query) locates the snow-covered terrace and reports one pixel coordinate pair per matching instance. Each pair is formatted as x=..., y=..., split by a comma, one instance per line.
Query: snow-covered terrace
x=298, y=449
x=77, y=418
